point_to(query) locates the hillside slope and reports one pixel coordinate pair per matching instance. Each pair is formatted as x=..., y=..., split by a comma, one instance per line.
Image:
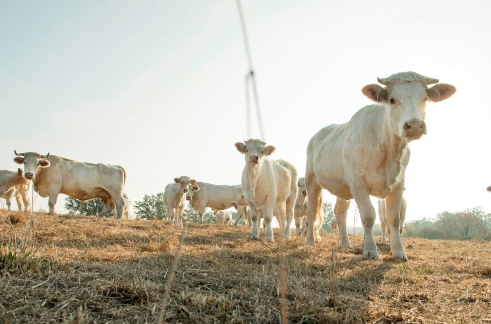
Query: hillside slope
x=92, y=270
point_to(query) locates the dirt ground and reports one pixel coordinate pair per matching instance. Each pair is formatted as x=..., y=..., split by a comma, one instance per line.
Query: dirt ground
x=78, y=269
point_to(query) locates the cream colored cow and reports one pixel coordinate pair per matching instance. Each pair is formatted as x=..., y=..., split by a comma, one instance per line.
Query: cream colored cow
x=14, y=184
x=223, y=217
x=175, y=197
x=269, y=187
x=369, y=154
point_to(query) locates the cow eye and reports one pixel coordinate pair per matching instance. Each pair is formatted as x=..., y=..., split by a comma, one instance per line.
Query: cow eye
x=262, y=152
x=392, y=101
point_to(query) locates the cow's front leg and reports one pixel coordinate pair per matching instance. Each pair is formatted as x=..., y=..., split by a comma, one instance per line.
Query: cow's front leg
x=268, y=229
x=368, y=216
x=119, y=201
x=201, y=212
x=392, y=214
x=53, y=196
x=341, y=212
x=314, y=196
x=255, y=223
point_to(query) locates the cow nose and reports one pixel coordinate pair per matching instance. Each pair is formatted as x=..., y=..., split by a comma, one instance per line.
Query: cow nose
x=254, y=158
x=415, y=128
x=188, y=198
x=28, y=175
x=184, y=190
x=304, y=192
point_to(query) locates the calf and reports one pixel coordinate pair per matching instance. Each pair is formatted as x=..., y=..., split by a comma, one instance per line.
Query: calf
x=223, y=217
x=269, y=186
x=175, y=197
x=14, y=184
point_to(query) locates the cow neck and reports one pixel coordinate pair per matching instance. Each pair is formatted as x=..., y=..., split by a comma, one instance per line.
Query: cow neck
x=252, y=176
x=180, y=197
x=395, y=147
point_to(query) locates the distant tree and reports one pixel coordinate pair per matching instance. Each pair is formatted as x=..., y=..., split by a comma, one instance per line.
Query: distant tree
x=88, y=207
x=151, y=207
x=328, y=215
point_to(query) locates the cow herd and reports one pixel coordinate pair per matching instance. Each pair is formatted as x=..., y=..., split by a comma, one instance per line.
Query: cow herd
x=366, y=156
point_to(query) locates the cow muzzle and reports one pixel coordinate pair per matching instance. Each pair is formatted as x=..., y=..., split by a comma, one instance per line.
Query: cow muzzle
x=254, y=159
x=28, y=176
x=188, y=197
x=414, y=129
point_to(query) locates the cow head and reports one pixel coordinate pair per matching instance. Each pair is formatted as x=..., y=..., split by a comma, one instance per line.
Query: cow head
x=405, y=97
x=33, y=163
x=302, y=187
x=254, y=150
x=190, y=194
x=185, y=183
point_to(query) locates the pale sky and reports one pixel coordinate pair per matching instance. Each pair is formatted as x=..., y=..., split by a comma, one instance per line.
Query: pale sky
x=158, y=86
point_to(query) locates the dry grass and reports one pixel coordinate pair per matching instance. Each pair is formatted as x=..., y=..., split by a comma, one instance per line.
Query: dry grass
x=91, y=270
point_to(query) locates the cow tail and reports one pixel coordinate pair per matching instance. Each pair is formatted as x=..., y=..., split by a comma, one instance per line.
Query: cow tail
x=124, y=175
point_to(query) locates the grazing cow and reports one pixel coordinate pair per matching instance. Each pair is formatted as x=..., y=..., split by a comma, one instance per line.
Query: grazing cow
x=384, y=226
x=223, y=217
x=269, y=186
x=21, y=194
x=175, y=197
x=217, y=197
x=14, y=184
x=52, y=175
x=368, y=155
x=334, y=225
x=243, y=211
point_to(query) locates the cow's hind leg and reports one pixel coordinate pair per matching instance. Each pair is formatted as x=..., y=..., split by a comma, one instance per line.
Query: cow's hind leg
x=341, y=212
x=290, y=203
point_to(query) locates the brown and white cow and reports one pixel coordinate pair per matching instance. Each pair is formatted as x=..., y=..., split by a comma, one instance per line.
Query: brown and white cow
x=269, y=187
x=52, y=175
x=13, y=184
x=369, y=154
x=213, y=196
x=175, y=197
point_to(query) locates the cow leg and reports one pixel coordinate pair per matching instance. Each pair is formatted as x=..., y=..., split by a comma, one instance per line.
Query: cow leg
x=53, y=196
x=320, y=220
x=18, y=199
x=290, y=204
x=298, y=225
x=8, y=198
x=368, y=216
x=8, y=201
x=304, y=226
x=119, y=201
x=402, y=217
x=170, y=212
x=201, y=212
x=341, y=212
x=268, y=229
x=26, y=200
x=255, y=223
x=392, y=214
x=314, y=196
x=108, y=206
x=383, y=228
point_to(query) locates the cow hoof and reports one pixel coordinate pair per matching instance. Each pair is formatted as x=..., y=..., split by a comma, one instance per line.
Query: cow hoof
x=254, y=237
x=345, y=245
x=318, y=239
x=371, y=255
x=400, y=255
x=310, y=242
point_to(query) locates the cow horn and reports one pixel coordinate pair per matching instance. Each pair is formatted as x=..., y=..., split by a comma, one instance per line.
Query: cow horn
x=45, y=156
x=383, y=81
x=19, y=154
x=431, y=80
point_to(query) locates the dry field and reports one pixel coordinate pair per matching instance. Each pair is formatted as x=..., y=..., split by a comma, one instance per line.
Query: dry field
x=76, y=269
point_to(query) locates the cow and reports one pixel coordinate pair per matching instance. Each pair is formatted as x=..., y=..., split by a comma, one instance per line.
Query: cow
x=384, y=226
x=243, y=211
x=14, y=184
x=334, y=225
x=300, y=212
x=223, y=217
x=21, y=194
x=52, y=175
x=269, y=186
x=369, y=154
x=217, y=197
x=175, y=197
x=488, y=188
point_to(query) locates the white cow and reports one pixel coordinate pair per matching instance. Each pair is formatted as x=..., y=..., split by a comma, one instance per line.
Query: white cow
x=13, y=184
x=243, y=211
x=52, y=175
x=334, y=225
x=384, y=225
x=175, y=197
x=368, y=155
x=269, y=186
x=223, y=217
x=300, y=212
x=217, y=197
x=21, y=194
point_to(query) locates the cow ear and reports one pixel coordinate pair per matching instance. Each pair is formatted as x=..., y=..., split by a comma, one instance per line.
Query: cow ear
x=241, y=147
x=43, y=163
x=193, y=182
x=176, y=180
x=440, y=92
x=196, y=188
x=19, y=159
x=375, y=92
x=21, y=172
x=268, y=150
